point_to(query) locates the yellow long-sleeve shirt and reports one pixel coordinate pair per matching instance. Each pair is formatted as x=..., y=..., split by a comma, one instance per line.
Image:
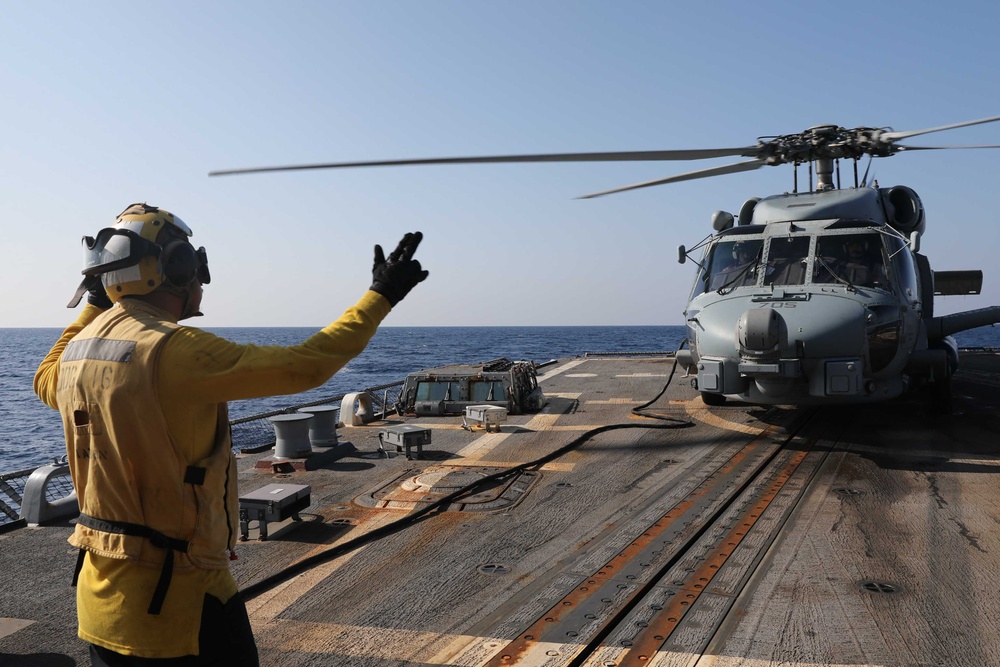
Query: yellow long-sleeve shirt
x=197, y=371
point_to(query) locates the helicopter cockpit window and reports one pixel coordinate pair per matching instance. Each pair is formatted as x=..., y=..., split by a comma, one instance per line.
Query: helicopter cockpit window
x=902, y=259
x=732, y=264
x=786, y=261
x=854, y=259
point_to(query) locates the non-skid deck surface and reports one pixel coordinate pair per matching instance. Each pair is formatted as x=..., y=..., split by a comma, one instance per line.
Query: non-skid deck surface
x=736, y=535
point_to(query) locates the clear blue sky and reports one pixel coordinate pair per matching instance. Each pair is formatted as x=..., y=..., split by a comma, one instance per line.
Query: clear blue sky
x=107, y=103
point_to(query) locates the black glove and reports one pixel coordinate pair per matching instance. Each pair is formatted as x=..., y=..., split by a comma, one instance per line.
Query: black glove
x=395, y=277
x=96, y=294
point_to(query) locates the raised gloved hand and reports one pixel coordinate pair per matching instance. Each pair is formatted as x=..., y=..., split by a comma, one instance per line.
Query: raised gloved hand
x=393, y=278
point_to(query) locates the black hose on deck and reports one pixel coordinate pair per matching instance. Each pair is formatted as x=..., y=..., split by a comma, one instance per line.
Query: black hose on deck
x=339, y=550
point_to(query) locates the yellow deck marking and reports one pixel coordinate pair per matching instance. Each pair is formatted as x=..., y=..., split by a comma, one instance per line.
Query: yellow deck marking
x=474, y=453
x=552, y=466
x=487, y=442
x=270, y=604
x=359, y=641
x=614, y=401
x=696, y=409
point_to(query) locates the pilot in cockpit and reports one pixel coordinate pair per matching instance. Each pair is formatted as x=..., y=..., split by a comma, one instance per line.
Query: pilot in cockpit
x=745, y=253
x=860, y=267
x=733, y=268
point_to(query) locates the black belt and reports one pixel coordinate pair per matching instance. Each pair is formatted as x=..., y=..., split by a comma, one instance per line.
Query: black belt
x=157, y=539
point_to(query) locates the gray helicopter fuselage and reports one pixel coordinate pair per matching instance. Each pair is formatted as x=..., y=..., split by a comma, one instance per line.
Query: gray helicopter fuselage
x=832, y=302
x=801, y=321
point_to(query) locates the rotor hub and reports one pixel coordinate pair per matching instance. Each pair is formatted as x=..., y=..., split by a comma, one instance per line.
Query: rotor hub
x=825, y=142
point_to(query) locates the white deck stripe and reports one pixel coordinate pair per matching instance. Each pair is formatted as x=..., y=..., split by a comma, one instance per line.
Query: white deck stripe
x=560, y=369
x=9, y=626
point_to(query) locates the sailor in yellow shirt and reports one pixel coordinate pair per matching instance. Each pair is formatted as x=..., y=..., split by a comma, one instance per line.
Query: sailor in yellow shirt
x=143, y=402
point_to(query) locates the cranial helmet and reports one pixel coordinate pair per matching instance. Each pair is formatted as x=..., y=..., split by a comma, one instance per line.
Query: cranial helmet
x=146, y=247
x=862, y=243
x=743, y=252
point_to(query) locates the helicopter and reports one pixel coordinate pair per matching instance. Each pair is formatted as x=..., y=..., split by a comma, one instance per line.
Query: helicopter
x=804, y=298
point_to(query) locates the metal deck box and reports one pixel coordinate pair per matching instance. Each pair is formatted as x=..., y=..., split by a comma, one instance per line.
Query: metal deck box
x=406, y=437
x=274, y=502
x=484, y=415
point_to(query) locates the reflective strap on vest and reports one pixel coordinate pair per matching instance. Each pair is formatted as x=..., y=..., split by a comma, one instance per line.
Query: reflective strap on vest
x=157, y=539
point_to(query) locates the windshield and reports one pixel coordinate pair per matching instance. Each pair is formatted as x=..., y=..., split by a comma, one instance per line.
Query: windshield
x=731, y=264
x=786, y=261
x=855, y=259
x=858, y=260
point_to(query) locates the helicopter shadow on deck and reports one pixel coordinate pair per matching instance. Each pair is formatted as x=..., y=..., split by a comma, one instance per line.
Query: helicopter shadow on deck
x=895, y=436
x=882, y=432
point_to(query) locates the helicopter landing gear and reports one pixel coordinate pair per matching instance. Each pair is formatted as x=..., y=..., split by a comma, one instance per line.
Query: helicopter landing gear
x=709, y=398
x=940, y=396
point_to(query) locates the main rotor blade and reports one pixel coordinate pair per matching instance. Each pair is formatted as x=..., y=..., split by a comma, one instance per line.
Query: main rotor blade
x=941, y=148
x=616, y=156
x=704, y=173
x=893, y=136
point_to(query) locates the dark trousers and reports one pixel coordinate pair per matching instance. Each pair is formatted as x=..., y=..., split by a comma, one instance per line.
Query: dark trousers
x=224, y=640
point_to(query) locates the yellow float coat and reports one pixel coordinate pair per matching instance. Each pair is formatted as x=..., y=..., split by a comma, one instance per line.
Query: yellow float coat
x=195, y=375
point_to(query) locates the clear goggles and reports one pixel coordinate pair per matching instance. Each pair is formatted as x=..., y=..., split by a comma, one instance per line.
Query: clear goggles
x=113, y=249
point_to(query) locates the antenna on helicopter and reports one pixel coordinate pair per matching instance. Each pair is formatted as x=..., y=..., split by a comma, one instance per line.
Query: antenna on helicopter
x=864, y=181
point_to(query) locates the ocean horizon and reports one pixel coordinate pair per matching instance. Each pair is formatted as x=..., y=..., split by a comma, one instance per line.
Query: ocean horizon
x=32, y=433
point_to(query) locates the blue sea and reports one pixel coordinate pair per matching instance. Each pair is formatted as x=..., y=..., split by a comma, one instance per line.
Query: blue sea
x=31, y=432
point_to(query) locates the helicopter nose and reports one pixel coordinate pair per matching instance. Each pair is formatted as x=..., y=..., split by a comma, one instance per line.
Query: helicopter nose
x=818, y=350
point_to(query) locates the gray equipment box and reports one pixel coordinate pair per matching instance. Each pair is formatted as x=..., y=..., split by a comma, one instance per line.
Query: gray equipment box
x=484, y=415
x=406, y=437
x=274, y=502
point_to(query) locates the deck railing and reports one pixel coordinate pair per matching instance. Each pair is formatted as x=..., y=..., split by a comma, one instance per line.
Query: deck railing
x=250, y=434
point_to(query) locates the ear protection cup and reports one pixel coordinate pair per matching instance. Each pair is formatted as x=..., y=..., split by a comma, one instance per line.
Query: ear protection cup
x=179, y=261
